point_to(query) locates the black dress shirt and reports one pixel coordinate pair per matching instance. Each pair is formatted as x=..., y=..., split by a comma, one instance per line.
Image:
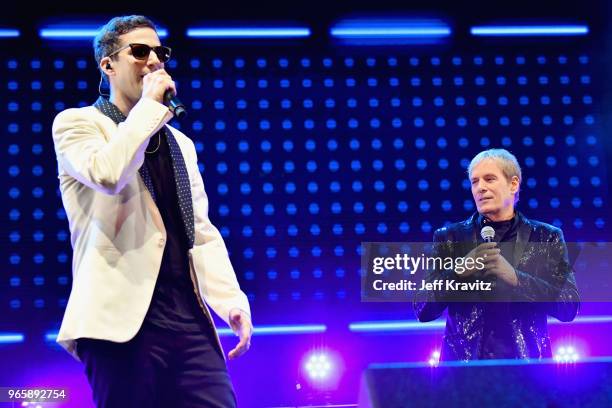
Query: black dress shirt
x=174, y=305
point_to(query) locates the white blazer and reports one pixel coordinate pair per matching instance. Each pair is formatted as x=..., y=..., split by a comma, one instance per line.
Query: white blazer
x=116, y=230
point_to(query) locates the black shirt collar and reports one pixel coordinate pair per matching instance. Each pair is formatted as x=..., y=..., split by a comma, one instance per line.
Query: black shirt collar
x=482, y=221
x=502, y=228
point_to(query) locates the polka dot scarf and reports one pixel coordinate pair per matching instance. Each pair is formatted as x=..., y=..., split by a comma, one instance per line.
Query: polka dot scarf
x=181, y=177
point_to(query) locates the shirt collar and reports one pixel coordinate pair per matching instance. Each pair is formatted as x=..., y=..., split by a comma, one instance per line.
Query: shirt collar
x=482, y=221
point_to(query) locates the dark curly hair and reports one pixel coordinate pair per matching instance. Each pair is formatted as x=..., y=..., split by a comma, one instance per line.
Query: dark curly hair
x=107, y=39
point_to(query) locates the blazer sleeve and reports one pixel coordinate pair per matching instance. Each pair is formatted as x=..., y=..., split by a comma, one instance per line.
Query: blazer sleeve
x=427, y=306
x=220, y=286
x=556, y=286
x=102, y=162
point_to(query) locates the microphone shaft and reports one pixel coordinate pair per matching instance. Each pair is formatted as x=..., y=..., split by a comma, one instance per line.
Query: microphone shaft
x=174, y=104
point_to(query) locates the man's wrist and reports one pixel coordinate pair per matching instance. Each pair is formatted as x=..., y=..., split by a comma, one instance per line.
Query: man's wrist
x=237, y=310
x=514, y=278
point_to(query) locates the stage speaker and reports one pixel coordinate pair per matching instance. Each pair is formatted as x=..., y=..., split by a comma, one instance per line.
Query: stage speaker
x=488, y=383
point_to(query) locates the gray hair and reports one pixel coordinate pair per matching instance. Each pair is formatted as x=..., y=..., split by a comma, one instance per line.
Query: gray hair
x=107, y=39
x=507, y=163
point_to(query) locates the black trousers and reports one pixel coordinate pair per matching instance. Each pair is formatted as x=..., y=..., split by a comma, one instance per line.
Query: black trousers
x=157, y=368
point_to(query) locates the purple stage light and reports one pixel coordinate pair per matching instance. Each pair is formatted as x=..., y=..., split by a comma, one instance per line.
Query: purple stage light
x=434, y=359
x=322, y=370
x=318, y=366
x=566, y=354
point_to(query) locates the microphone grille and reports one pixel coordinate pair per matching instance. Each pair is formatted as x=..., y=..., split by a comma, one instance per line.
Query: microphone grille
x=487, y=233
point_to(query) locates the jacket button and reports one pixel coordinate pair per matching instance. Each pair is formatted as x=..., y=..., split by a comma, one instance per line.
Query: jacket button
x=161, y=242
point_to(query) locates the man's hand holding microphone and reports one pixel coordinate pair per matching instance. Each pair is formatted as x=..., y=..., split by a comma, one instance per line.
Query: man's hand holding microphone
x=159, y=86
x=494, y=263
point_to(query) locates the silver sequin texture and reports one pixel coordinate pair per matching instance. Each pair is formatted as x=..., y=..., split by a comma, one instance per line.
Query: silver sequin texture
x=547, y=287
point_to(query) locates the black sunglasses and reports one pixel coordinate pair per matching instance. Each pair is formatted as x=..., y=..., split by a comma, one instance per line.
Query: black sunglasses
x=142, y=51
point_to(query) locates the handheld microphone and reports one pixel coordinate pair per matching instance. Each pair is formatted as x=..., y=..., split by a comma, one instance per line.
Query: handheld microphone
x=174, y=104
x=487, y=233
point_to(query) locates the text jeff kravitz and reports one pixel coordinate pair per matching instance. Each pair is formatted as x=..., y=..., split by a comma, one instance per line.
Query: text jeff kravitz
x=434, y=285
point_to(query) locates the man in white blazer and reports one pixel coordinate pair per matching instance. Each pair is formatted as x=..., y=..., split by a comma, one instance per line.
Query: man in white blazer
x=147, y=262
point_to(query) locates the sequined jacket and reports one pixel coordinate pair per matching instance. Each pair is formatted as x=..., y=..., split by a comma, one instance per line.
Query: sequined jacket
x=546, y=287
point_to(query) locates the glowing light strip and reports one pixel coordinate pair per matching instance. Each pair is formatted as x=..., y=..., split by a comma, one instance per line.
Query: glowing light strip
x=259, y=331
x=486, y=363
x=280, y=330
x=80, y=33
x=412, y=325
x=399, y=325
x=380, y=326
x=249, y=32
x=584, y=319
x=10, y=338
x=7, y=33
x=511, y=31
x=389, y=32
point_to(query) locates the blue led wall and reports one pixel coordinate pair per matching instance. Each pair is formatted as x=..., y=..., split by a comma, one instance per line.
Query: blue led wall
x=306, y=152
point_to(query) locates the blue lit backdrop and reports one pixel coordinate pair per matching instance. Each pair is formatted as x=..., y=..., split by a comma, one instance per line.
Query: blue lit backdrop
x=305, y=156
x=308, y=149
